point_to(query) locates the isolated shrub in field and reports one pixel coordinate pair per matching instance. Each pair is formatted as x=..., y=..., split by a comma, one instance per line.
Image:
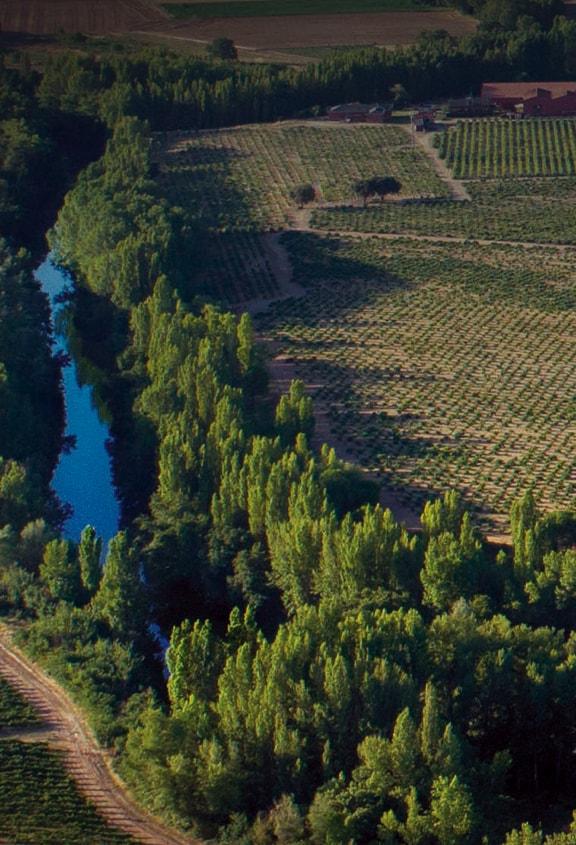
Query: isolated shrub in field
x=223, y=48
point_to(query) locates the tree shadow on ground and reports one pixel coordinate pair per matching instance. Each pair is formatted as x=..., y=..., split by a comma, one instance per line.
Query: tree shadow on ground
x=213, y=197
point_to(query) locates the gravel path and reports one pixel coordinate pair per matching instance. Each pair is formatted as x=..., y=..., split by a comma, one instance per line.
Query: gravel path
x=86, y=761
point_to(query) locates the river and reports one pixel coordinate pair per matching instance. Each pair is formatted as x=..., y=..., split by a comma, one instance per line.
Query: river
x=83, y=478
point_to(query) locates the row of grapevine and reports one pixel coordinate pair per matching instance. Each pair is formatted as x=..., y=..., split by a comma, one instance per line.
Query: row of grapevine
x=539, y=210
x=440, y=369
x=240, y=179
x=509, y=147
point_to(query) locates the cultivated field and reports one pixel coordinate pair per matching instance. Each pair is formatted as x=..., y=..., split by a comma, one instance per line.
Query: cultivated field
x=326, y=30
x=251, y=8
x=507, y=147
x=39, y=802
x=440, y=367
x=436, y=360
x=532, y=210
x=254, y=25
x=240, y=179
x=13, y=709
x=45, y=17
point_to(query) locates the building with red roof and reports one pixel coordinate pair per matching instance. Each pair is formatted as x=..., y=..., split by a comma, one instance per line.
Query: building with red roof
x=532, y=99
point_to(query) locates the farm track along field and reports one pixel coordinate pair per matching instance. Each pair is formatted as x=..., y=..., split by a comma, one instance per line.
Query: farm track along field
x=85, y=760
x=458, y=188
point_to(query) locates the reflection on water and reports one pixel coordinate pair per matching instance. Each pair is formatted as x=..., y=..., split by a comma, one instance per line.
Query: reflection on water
x=83, y=477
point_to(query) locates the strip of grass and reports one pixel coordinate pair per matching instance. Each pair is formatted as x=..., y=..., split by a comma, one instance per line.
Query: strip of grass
x=271, y=8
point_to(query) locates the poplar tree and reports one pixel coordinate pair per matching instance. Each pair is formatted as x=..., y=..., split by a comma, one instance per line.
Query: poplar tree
x=60, y=571
x=89, y=553
x=119, y=600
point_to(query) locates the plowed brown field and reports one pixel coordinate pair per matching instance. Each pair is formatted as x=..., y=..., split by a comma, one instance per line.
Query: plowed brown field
x=46, y=17
x=293, y=31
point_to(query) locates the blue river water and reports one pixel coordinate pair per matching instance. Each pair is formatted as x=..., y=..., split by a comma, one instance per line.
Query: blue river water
x=83, y=478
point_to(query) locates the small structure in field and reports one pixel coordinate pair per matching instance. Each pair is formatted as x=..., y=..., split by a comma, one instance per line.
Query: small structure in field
x=423, y=120
x=532, y=99
x=360, y=112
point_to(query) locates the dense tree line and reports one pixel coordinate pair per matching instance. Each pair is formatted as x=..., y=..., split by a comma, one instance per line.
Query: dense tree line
x=505, y=14
x=41, y=149
x=31, y=412
x=178, y=92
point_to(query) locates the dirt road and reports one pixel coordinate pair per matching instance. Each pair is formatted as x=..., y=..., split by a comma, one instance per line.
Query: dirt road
x=85, y=760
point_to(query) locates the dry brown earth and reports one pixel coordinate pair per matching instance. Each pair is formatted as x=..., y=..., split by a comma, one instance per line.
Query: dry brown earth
x=294, y=31
x=93, y=17
x=269, y=35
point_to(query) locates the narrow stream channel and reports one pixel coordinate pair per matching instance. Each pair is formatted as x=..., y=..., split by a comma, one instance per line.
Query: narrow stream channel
x=83, y=477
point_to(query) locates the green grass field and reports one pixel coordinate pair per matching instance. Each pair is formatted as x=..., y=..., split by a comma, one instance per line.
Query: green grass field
x=504, y=147
x=255, y=8
x=39, y=802
x=441, y=368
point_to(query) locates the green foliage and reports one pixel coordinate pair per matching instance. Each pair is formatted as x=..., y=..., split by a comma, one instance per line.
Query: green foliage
x=222, y=48
x=194, y=660
x=60, y=571
x=303, y=195
x=31, y=406
x=294, y=413
x=380, y=186
x=452, y=811
x=113, y=230
x=89, y=553
x=119, y=600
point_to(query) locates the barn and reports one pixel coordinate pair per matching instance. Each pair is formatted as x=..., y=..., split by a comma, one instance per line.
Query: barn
x=532, y=99
x=360, y=112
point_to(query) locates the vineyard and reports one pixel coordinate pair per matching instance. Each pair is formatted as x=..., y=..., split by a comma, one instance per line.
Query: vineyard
x=440, y=369
x=236, y=268
x=506, y=147
x=240, y=179
x=39, y=802
x=538, y=210
x=14, y=711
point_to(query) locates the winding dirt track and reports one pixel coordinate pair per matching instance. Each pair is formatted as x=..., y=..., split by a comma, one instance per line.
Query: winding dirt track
x=86, y=761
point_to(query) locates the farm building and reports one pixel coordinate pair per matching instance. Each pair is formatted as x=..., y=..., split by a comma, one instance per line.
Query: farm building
x=360, y=112
x=532, y=99
x=468, y=107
